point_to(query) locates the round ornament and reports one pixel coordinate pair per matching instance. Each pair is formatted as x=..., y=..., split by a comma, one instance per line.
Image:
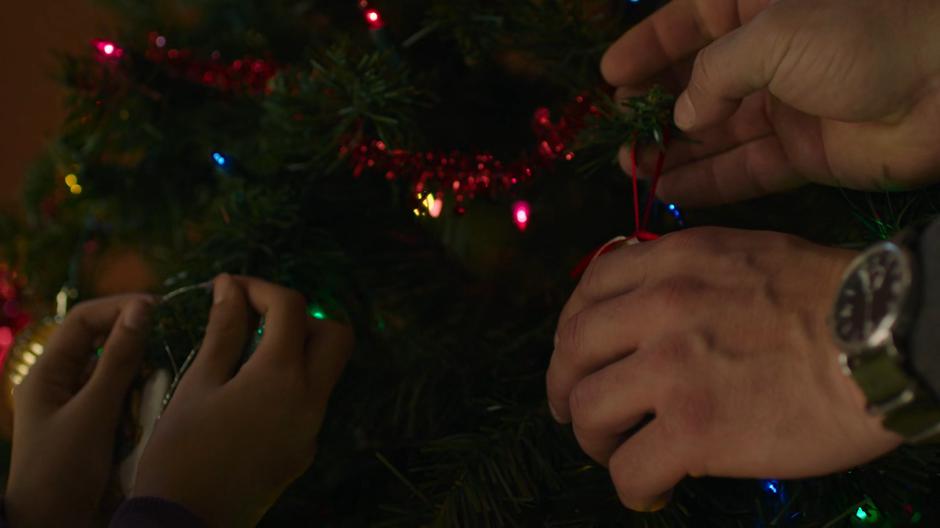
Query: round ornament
x=26, y=350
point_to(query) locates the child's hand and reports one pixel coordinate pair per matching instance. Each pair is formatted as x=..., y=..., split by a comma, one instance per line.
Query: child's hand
x=65, y=427
x=229, y=443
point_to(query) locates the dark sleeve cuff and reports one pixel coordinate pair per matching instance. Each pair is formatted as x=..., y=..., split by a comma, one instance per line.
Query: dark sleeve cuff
x=925, y=335
x=152, y=512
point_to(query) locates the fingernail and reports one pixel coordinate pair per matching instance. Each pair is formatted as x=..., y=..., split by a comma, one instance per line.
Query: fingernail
x=659, y=503
x=552, y=410
x=685, y=112
x=137, y=316
x=611, y=245
x=220, y=294
x=654, y=506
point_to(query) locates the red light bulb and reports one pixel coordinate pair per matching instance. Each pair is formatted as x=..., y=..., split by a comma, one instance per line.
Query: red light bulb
x=374, y=19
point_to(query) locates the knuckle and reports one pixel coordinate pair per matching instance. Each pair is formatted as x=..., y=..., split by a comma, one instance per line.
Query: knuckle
x=681, y=350
x=693, y=410
x=570, y=339
x=741, y=263
x=582, y=402
x=593, y=278
x=784, y=242
x=699, y=239
x=227, y=320
x=703, y=76
x=138, y=309
x=80, y=311
x=554, y=385
x=676, y=293
x=672, y=353
x=293, y=301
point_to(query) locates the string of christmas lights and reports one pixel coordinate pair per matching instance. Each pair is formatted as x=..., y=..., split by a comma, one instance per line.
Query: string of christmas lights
x=434, y=177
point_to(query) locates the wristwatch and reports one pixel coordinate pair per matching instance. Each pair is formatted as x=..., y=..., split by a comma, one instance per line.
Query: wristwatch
x=871, y=319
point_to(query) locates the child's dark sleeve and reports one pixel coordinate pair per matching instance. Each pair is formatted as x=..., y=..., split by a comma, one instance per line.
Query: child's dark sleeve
x=925, y=337
x=151, y=512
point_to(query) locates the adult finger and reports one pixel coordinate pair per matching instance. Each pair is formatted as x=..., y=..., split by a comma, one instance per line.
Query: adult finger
x=647, y=466
x=618, y=271
x=230, y=321
x=757, y=168
x=609, y=330
x=750, y=122
x=122, y=356
x=607, y=404
x=329, y=346
x=285, y=325
x=674, y=32
x=66, y=356
x=731, y=68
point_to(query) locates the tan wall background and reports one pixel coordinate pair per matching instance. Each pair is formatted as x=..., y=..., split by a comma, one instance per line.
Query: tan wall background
x=30, y=98
x=31, y=109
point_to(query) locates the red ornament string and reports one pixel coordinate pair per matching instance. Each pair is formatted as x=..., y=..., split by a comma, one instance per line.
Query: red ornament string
x=641, y=233
x=634, y=173
x=651, y=197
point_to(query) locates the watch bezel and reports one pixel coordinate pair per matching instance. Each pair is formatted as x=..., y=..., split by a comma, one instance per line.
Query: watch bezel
x=883, y=335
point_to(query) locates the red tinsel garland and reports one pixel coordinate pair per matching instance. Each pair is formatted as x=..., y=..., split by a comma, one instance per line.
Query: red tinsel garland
x=432, y=175
x=244, y=75
x=469, y=175
x=466, y=175
x=12, y=316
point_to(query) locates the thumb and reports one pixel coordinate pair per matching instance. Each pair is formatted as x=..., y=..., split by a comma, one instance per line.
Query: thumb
x=731, y=68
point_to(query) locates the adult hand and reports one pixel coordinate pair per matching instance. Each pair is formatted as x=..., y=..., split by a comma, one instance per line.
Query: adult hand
x=721, y=335
x=64, y=426
x=229, y=443
x=839, y=92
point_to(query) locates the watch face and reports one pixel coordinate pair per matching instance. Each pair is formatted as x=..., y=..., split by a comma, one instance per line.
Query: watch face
x=871, y=298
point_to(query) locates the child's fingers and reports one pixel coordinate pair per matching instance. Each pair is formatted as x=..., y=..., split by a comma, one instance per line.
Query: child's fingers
x=70, y=348
x=285, y=326
x=329, y=346
x=123, y=353
x=226, y=334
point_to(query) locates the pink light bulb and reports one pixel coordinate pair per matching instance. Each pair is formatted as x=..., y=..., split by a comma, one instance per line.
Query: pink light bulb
x=108, y=49
x=520, y=215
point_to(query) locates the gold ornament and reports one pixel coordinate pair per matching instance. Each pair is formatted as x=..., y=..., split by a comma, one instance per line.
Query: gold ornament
x=26, y=350
x=24, y=353
x=29, y=345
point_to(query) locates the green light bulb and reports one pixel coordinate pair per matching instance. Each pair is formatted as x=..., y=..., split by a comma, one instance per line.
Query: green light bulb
x=314, y=311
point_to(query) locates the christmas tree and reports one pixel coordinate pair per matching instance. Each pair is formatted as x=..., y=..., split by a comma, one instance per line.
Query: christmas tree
x=433, y=172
